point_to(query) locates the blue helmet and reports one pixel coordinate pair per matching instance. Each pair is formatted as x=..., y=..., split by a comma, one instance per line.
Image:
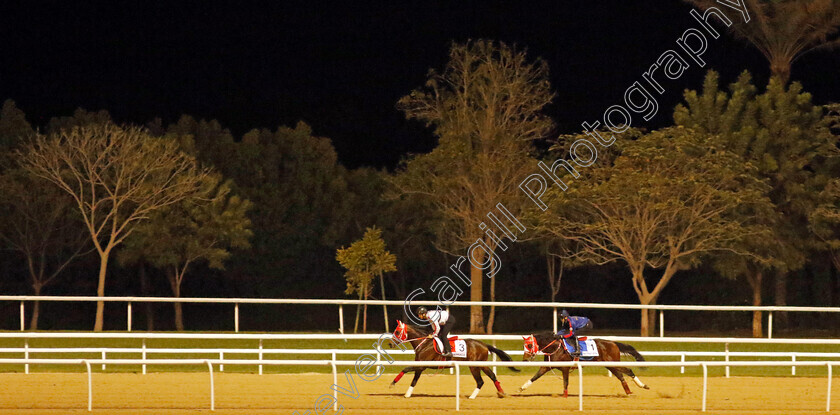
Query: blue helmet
x=564, y=313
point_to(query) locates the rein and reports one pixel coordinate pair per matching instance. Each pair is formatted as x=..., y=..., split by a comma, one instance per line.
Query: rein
x=547, y=346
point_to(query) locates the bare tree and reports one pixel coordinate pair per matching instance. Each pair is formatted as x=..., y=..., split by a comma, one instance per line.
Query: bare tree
x=116, y=177
x=36, y=221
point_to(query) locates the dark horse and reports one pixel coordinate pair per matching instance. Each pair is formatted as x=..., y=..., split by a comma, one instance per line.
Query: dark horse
x=554, y=351
x=424, y=351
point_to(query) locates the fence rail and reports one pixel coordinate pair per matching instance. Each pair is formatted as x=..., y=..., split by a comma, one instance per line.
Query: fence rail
x=22, y=299
x=333, y=363
x=144, y=351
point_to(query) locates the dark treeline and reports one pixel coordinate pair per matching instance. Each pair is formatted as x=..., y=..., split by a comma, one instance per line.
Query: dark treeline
x=743, y=191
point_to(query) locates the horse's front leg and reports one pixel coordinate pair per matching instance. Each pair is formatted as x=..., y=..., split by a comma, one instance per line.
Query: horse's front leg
x=620, y=376
x=542, y=371
x=417, y=374
x=565, y=371
x=400, y=375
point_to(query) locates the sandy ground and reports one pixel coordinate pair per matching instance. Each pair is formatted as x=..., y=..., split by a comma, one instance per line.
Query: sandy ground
x=189, y=393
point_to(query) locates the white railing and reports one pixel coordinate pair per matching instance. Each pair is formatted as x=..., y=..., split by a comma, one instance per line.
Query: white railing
x=454, y=364
x=260, y=351
x=144, y=351
x=341, y=303
x=323, y=336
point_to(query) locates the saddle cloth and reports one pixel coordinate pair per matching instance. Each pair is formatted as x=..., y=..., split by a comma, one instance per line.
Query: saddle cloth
x=587, y=347
x=459, y=347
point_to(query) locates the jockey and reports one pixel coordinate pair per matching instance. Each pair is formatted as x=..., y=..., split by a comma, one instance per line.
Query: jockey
x=572, y=327
x=441, y=323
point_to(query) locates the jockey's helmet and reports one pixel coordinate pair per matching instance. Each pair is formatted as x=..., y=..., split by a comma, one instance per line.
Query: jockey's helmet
x=421, y=312
x=564, y=314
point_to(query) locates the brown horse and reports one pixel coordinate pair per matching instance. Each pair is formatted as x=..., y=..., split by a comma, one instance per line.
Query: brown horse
x=554, y=351
x=424, y=350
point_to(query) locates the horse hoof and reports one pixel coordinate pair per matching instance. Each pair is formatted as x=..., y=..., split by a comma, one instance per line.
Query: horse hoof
x=521, y=390
x=565, y=394
x=391, y=386
x=500, y=394
x=646, y=387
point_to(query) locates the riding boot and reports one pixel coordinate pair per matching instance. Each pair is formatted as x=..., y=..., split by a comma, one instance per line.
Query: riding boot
x=576, y=354
x=447, y=349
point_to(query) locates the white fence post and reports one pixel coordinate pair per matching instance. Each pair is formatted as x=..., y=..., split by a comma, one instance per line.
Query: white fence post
x=682, y=359
x=128, y=316
x=90, y=386
x=457, y=387
x=793, y=368
x=335, y=382
x=22, y=317
x=212, y=389
x=555, y=320
x=104, y=356
x=580, y=386
x=770, y=325
x=261, y=356
x=144, y=355
x=236, y=318
x=222, y=358
x=705, y=385
x=341, y=319
x=26, y=355
x=661, y=323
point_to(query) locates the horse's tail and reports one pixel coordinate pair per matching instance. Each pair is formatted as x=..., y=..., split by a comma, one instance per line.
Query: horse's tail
x=502, y=355
x=630, y=350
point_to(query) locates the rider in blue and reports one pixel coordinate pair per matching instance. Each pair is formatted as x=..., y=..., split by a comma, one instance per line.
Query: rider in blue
x=572, y=327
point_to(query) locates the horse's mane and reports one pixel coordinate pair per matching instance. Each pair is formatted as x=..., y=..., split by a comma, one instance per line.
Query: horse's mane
x=423, y=330
x=544, y=338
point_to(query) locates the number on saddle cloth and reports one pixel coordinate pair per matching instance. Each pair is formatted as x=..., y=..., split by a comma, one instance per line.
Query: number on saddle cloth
x=587, y=347
x=458, y=347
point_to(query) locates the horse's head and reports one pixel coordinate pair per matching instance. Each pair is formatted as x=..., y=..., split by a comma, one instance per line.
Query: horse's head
x=400, y=333
x=531, y=348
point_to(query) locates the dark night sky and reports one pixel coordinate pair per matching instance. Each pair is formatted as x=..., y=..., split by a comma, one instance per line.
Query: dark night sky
x=341, y=66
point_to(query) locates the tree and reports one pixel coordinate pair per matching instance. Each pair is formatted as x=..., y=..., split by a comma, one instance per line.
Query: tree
x=301, y=204
x=37, y=220
x=117, y=177
x=364, y=260
x=14, y=131
x=824, y=220
x=784, y=30
x=784, y=135
x=484, y=108
x=665, y=202
x=204, y=227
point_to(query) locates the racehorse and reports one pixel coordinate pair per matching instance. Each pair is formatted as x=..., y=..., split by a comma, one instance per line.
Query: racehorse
x=554, y=351
x=424, y=350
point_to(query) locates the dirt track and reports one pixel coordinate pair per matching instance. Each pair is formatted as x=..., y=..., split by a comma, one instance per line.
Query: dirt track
x=188, y=393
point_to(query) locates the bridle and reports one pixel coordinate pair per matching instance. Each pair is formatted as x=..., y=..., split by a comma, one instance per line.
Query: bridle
x=531, y=346
x=401, y=335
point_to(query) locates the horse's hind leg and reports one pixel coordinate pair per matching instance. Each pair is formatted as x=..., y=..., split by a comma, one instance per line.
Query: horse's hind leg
x=413, y=382
x=619, y=374
x=542, y=371
x=479, y=382
x=636, y=379
x=499, y=392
